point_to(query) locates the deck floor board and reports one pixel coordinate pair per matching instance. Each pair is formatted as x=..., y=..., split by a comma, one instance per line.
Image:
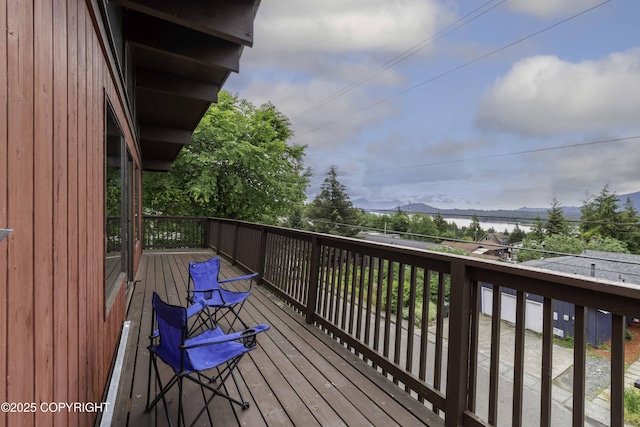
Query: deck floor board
x=297, y=376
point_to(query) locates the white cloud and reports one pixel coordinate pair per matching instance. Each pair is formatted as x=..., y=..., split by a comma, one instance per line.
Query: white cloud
x=544, y=95
x=550, y=8
x=337, y=26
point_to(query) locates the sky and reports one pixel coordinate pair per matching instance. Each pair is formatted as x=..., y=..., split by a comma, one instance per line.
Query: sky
x=457, y=104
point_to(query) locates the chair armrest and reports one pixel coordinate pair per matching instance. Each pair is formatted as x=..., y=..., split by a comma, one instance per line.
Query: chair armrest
x=247, y=334
x=235, y=279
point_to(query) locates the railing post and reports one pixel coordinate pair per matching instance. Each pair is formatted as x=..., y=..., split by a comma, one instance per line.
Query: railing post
x=314, y=274
x=219, y=236
x=234, y=249
x=205, y=232
x=262, y=257
x=459, y=333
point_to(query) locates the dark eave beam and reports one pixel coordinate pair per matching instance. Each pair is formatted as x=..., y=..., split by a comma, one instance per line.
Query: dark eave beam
x=183, y=44
x=231, y=20
x=154, y=165
x=164, y=134
x=176, y=85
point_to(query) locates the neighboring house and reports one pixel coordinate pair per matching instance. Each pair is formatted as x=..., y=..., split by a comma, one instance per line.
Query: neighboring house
x=480, y=249
x=92, y=92
x=496, y=239
x=395, y=239
x=624, y=268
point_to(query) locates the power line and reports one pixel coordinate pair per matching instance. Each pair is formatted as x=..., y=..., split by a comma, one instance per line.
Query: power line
x=490, y=156
x=398, y=59
x=459, y=67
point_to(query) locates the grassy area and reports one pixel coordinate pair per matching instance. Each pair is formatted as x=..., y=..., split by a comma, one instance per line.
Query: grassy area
x=632, y=406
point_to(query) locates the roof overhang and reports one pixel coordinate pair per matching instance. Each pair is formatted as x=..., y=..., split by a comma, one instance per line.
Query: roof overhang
x=181, y=53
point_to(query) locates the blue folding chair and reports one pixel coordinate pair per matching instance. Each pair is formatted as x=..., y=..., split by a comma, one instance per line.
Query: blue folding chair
x=220, y=301
x=189, y=358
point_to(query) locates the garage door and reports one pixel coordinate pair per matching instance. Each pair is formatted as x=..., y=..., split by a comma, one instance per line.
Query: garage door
x=533, y=317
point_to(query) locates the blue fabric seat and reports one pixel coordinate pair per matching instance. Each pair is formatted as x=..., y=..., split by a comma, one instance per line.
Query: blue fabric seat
x=220, y=301
x=191, y=357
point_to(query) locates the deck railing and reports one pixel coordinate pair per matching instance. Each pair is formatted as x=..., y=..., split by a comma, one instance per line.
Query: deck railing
x=414, y=315
x=174, y=232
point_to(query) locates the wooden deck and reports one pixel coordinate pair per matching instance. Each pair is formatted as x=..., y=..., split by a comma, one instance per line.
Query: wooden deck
x=298, y=375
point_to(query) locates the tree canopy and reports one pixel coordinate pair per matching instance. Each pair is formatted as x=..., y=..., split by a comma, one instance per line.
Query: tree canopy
x=239, y=165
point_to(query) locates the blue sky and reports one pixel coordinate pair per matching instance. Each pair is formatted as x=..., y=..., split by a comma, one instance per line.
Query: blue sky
x=476, y=111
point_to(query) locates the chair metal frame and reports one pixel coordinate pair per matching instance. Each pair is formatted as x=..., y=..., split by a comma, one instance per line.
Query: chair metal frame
x=189, y=357
x=206, y=285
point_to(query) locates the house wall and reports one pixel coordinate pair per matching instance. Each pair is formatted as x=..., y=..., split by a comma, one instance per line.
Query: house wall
x=56, y=339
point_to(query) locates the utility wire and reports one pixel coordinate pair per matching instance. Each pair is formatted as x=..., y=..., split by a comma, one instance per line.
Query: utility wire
x=491, y=156
x=399, y=58
x=459, y=67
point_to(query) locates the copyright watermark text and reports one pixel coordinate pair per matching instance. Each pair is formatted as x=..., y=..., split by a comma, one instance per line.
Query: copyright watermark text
x=19, y=407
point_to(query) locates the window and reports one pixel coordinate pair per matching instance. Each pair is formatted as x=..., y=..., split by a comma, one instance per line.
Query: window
x=116, y=207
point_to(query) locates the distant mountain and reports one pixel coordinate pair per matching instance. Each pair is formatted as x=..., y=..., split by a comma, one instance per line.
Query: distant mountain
x=369, y=205
x=524, y=213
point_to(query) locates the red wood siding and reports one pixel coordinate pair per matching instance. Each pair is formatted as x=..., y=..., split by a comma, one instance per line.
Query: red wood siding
x=56, y=340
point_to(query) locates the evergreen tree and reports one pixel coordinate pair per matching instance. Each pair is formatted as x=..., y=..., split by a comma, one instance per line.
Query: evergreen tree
x=600, y=216
x=331, y=211
x=517, y=235
x=400, y=221
x=537, y=230
x=556, y=221
x=475, y=230
x=441, y=224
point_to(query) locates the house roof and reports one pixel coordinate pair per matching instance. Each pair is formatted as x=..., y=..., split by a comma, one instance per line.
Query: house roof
x=607, y=265
x=182, y=52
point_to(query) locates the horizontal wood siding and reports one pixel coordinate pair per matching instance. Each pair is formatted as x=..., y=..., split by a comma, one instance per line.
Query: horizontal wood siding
x=56, y=340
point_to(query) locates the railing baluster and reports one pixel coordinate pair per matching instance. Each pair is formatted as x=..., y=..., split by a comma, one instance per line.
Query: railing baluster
x=518, y=362
x=336, y=281
x=617, y=370
x=437, y=370
x=369, y=292
x=345, y=290
x=579, y=364
x=387, y=310
x=547, y=363
x=313, y=280
x=352, y=294
x=424, y=327
x=494, y=369
x=399, y=308
x=378, y=318
x=411, y=321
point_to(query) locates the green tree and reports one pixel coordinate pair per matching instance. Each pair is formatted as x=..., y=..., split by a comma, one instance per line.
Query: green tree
x=630, y=230
x=332, y=211
x=600, y=216
x=238, y=165
x=517, y=235
x=475, y=231
x=607, y=244
x=295, y=219
x=558, y=243
x=537, y=230
x=423, y=224
x=441, y=224
x=399, y=221
x=556, y=221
